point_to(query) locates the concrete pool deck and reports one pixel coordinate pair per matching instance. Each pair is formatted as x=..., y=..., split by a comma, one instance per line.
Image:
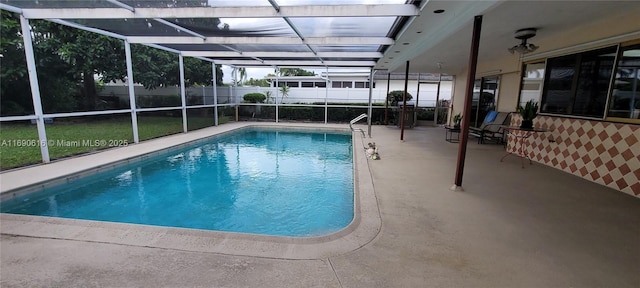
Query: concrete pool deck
x=511, y=227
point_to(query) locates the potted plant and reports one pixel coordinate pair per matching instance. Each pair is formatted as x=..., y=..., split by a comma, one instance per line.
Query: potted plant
x=456, y=121
x=528, y=112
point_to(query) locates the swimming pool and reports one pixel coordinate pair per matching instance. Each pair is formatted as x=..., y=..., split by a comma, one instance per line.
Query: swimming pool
x=257, y=180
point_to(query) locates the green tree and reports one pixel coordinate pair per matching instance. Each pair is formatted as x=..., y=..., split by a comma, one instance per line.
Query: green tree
x=284, y=90
x=397, y=96
x=55, y=77
x=243, y=74
x=295, y=72
x=69, y=60
x=154, y=68
x=254, y=97
x=13, y=69
x=257, y=82
x=87, y=55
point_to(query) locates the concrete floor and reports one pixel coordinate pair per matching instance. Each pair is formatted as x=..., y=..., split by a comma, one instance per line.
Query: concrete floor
x=511, y=227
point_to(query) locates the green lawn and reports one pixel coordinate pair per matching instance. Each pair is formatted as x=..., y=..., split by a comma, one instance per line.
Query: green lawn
x=19, y=145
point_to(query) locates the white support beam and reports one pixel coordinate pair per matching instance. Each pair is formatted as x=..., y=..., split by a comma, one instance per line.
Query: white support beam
x=179, y=28
x=370, y=108
x=277, y=92
x=203, y=59
x=132, y=93
x=283, y=54
x=349, y=41
x=183, y=97
x=122, y=5
x=10, y=8
x=215, y=93
x=262, y=40
x=35, y=88
x=380, y=10
x=163, y=48
x=296, y=63
x=89, y=29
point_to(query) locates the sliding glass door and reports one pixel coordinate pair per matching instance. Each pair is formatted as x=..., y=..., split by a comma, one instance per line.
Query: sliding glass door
x=485, y=97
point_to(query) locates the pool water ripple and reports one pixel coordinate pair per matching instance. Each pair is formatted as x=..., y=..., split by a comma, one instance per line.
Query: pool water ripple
x=272, y=182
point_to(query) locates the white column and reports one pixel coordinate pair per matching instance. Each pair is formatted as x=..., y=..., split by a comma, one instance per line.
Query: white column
x=183, y=94
x=35, y=88
x=370, y=110
x=277, y=92
x=235, y=90
x=326, y=96
x=132, y=95
x=435, y=114
x=215, y=94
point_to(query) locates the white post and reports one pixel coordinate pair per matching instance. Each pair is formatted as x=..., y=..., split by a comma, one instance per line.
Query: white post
x=35, y=88
x=215, y=94
x=235, y=90
x=183, y=94
x=277, y=92
x=435, y=114
x=326, y=95
x=370, y=110
x=132, y=95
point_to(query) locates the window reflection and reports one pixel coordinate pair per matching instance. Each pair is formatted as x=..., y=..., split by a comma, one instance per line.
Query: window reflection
x=485, y=97
x=532, y=78
x=625, y=97
x=577, y=84
x=559, y=83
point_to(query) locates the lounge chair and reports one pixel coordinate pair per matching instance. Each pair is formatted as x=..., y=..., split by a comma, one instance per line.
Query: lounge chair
x=490, y=129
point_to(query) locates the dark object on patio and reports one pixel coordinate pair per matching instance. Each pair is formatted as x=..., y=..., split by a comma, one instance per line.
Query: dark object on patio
x=490, y=129
x=528, y=112
x=456, y=121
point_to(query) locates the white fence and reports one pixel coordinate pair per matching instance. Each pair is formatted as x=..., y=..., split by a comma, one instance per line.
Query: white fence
x=427, y=97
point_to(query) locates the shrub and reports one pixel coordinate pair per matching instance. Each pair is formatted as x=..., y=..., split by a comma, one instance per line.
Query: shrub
x=396, y=96
x=254, y=97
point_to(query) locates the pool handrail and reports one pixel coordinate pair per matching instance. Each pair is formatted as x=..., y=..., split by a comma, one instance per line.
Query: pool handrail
x=362, y=116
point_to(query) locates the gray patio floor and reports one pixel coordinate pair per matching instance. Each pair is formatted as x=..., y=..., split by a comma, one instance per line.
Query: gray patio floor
x=511, y=227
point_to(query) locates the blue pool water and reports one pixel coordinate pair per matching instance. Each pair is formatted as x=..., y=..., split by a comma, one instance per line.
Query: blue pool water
x=260, y=181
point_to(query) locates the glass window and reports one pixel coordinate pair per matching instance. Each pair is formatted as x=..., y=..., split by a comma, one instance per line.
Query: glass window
x=531, y=88
x=559, y=81
x=625, y=96
x=321, y=84
x=577, y=84
x=347, y=84
x=292, y=84
x=593, y=83
x=360, y=84
x=307, y=84
x=336, y=84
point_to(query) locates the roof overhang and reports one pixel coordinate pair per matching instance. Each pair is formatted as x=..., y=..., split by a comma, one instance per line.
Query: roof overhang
x=265, y=33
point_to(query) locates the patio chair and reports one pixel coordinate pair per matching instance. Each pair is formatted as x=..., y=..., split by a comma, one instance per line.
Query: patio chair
x=490, y=129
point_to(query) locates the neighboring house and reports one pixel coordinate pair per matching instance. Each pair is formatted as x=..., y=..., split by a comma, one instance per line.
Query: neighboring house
x=358, y=83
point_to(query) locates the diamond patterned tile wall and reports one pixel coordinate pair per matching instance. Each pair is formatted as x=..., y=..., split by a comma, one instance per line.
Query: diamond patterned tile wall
x=603, y=152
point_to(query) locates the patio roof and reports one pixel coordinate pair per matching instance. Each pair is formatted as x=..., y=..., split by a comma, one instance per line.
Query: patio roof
x=433, y=35
x=299, y=33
